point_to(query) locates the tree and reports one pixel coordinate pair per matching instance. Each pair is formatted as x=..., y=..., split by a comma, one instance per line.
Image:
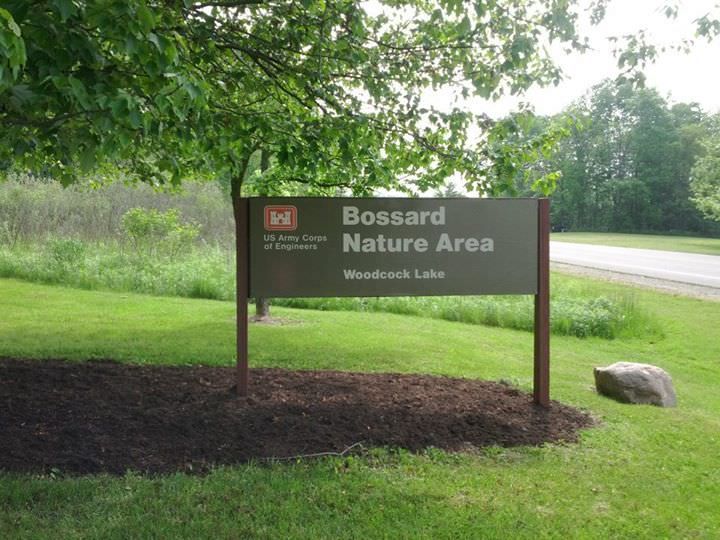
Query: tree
x=626, y=164
x=328, y=88
x=448, y=191
x=165, y=88
x=705, y=181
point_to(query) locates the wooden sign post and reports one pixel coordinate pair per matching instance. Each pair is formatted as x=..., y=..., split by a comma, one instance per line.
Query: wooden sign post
x=541, y=366
x=242, y=285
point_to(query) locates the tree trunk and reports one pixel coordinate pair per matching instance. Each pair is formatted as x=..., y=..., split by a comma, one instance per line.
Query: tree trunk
x=262, y=305
x=262, y=309
x=235, y=193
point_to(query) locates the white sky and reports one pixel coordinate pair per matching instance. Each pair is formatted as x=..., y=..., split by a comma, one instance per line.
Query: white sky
x=693, y=77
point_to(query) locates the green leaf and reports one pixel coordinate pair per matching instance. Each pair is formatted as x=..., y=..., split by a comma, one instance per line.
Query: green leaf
x=87, y=158
x=21, y=95
x=192, y=90
x=130, y=44
x=78, y=88
x=118, y=108
x=155, y=40
x=465, y=26
x=135, y=118
x=66, y=8
x=12, y=49
x=123, y=137
x=11, y=24
x=145, y=17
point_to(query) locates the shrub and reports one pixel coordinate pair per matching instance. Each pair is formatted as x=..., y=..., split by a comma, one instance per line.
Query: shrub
x=153, y=232
x=64, y=255
x=33, y=209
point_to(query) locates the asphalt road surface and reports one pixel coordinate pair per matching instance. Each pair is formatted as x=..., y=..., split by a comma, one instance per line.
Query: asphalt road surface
x=690, y=268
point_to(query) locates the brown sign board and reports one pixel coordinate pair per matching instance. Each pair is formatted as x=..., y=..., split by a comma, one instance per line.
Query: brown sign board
x=392, y=246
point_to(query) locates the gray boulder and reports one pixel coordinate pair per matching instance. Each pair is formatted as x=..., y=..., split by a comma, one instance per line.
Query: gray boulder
x=630, y=382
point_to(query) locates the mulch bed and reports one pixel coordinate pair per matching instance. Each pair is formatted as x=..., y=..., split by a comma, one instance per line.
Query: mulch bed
x=103, y=416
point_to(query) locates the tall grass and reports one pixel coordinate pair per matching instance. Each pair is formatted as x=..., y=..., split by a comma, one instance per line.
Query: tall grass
x=78, y=237
x=570, y=315
x=33, y=210
x=207, y=272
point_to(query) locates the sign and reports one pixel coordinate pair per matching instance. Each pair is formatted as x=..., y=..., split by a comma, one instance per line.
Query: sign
x=391, y=246
x=385, y=247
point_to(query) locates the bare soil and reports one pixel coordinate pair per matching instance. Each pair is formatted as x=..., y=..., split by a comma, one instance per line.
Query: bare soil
x=103, y=416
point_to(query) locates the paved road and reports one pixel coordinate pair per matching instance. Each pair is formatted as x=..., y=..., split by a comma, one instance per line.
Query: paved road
x=702, y=270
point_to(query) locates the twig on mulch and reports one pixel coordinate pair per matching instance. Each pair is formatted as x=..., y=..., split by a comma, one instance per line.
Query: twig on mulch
x=319, y=454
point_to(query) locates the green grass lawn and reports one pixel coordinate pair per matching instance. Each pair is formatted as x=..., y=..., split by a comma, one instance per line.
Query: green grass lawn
x=689, y=244
x=644, y=473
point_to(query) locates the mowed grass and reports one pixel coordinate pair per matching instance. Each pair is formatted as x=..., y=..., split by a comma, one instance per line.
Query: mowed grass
x=645, y=472
x=689, y=244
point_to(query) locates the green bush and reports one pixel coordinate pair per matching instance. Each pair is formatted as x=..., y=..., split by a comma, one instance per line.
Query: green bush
x=32, y=210
x=63, y=256
x=153, y=232
x=206, y=272
x=66, y=251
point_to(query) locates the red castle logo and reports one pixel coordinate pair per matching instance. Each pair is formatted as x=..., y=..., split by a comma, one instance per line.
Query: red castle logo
x=280, y=218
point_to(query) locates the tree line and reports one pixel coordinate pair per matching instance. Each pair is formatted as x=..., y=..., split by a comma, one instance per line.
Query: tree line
x=632, y=162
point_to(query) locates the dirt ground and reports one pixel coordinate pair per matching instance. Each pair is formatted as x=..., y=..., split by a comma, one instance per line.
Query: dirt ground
x=103, y=416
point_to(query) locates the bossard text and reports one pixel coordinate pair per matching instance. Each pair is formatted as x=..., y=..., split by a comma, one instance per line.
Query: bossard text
x=356, y=242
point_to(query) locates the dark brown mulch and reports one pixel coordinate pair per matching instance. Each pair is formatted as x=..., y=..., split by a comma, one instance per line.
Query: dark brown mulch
x=102, y=416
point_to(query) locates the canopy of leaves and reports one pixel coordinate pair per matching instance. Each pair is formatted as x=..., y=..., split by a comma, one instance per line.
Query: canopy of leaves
x=329, y=89
x=81, y=82
x=332, y=90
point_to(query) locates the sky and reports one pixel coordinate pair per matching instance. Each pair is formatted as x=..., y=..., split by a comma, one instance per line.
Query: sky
x=693, y=77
